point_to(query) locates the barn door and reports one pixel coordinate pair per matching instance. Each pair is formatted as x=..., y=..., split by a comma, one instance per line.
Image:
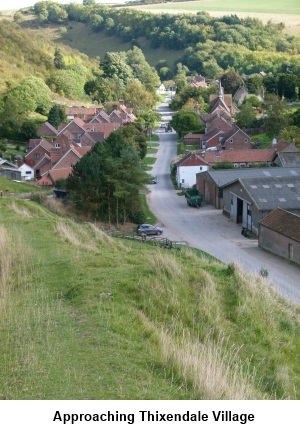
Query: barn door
x=233, y=208
x=245, y=214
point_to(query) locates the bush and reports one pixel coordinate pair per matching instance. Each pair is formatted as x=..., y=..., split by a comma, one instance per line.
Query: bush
x=264, y=272
x=138, y=217
x=2, y=147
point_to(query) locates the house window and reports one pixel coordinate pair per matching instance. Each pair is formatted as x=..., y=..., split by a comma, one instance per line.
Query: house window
x=231, y=140
x=36, y=156
x=182, y=181
x=57, y=145
x=200, y=167
x=246, y=140
x=28, y=173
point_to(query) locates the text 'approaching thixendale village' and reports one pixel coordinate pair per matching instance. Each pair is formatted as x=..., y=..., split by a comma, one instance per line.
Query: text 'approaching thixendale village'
x=148, y=416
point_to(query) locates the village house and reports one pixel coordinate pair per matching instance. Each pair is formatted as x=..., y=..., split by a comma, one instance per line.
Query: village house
x=71, y=140
x=75, y=127
x=27, y=172
x=198, y=81
x=82, y=112
x=240, y=94
x=47, y=131
x=187, y=168
x=101, y=116
x=222, y=102
x=236, y=138
x=60, y=167
x=220, y=122
x=193, y=139
x=211, y=139
x=37, y=151
x=241, y=157
x=207, y=119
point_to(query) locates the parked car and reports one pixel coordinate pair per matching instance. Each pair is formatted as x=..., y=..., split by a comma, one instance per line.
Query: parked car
x=149, y=229
x=154, y=180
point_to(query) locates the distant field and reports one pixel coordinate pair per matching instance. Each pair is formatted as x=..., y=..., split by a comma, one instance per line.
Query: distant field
x=256, y=6
x=277, y=11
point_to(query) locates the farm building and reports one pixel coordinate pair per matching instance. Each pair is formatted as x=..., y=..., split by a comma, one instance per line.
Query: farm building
x=248, y=200
x=232, y=191
x=279, y=233
x=9, y=170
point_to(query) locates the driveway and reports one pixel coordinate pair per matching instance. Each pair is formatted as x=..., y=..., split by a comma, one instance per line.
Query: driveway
x=207, y=229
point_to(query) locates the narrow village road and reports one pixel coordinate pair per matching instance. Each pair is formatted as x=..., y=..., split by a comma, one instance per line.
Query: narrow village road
x=207, y=229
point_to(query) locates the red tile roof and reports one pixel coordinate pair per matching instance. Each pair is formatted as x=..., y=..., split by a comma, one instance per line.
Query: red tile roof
x=192, y=159
x=63, y=173
x=106, y=128
x=81, y=110
x=240, y=156
x=283, y=222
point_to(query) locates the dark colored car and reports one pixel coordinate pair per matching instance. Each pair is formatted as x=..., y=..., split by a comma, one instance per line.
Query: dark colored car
x=149, y=229
x=154, y=180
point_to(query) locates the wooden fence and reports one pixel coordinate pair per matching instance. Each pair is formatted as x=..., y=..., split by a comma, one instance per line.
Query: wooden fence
x=161, y=242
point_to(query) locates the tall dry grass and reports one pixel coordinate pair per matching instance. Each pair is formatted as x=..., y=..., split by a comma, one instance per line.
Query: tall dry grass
x=212, y=370
x=6, y=263
x=21, y=211
x=164, y=264
x=87, y=236
x=28, y=318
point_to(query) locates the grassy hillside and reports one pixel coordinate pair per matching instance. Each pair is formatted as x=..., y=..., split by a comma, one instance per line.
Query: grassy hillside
x=96, y=45
x=86, y=316
x=7, y=187
x=24, y=54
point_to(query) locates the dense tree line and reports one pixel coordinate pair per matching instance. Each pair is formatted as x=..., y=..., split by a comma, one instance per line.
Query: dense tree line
x=211, y=45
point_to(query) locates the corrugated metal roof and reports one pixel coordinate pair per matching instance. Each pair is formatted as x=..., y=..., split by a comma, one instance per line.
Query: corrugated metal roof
x=273, y=192
x=225, y=177
x=288, y=159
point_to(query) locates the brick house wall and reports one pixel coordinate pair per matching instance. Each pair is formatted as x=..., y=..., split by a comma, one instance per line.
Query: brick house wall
x=35, y=156
x=238, y=141
x=209, y=191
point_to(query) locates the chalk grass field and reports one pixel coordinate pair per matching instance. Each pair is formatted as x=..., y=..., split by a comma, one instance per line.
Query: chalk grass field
x=232, y=6
x=88, y=316
x=276, y=11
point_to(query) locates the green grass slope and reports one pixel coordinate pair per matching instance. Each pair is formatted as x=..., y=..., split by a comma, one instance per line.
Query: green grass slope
x=86, y=316
x=24, y=53
x=79, y=36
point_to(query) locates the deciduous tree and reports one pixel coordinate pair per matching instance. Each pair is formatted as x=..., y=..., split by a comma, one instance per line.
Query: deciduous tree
x=185, y=122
